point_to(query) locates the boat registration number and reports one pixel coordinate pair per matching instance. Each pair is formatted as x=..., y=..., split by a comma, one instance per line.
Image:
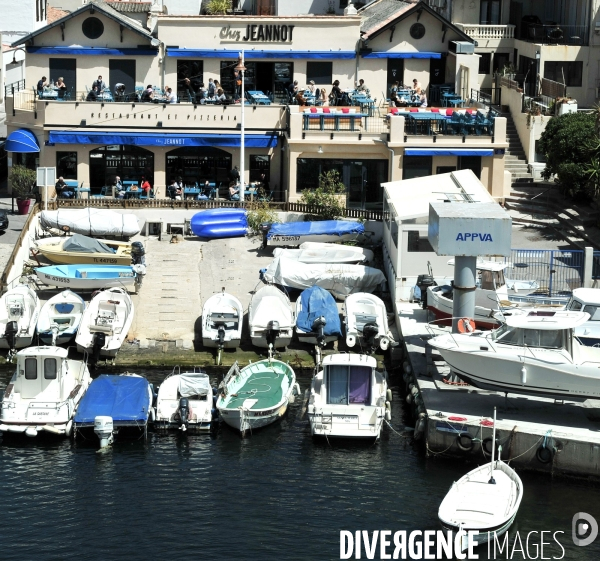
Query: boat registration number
x=285, y=238
x=347, y=418
x=58, y=279
x=121, y=275
x=109, y=261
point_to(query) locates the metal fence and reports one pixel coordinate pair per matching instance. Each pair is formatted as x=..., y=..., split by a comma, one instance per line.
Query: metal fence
x=10, y=89
x=487, y=96
x=556, y=271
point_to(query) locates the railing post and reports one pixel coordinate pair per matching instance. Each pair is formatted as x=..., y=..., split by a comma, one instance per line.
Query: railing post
x=551, y=272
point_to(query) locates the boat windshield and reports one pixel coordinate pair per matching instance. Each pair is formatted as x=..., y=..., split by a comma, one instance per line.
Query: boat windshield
x=574, y=305
x=594, y=312
x=540, y=338
x=348, y=384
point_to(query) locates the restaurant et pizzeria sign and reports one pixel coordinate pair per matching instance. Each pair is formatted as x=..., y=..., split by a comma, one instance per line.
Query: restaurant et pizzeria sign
x=259, y=33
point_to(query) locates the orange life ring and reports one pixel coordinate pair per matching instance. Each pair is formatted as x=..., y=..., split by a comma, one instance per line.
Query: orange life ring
x=465, y=325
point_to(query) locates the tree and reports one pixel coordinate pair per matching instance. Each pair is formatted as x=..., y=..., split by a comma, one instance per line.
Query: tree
x=566, y=146
x=22, y=181
x=325, y=201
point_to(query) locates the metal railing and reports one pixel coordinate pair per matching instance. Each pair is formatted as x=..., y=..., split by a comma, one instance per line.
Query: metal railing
x=10, y=89
x=484, y=31
x=540, y=104
x=556, y=34
x=487, y=96
x=346, y=122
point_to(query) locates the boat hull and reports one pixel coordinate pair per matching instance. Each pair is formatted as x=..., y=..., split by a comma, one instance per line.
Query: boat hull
x=84, y=284
x=227, y=344
x=292, y=241
x=248, y=420
x=259, y=339
x=332, y=424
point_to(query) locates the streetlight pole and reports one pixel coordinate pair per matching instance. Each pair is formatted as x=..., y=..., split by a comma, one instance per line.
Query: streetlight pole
x=241, y=69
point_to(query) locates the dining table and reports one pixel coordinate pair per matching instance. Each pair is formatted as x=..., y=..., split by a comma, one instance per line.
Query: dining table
x=259, y=97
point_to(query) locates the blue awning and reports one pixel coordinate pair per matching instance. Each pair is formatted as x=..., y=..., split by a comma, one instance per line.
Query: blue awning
x=386, y=54
x=174, y=140
x=22, y=141
x=259, y=54
x=89, y=51
x=449, y=152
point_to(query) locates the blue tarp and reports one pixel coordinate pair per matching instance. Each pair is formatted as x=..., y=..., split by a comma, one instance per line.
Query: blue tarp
x=124, y=398
x=386, y=54
x=90, y=51
x=169, y=140
x=448, y=152
x=22, y=141
x=316, y=302
x=259, y=54
x=331, y=227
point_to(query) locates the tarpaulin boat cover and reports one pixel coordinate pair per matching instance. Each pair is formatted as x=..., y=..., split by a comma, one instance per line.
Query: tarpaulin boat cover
x=339, y=279
x=317, y=302
x=78, y=243
x=368, y=254
x=329, y=227
x=124, y=398
x=335, y=253
x=91, y=222
x=193, y=383
x=270, y=304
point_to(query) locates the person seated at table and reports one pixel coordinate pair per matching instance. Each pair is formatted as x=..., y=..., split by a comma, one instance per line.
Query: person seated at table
x=148, y=94
x=119, y=188
x=120, y=92
x=220, y=97
x=300, y=99
x=172, y=189
x=217, y=86
x=170, y=95
x=99, y=83
x=60, y=186
x=41, y=85
x=335, y=95
x=93, y=94
x=293, y=88
x=417, y=87
x=211, y=89
x=397, y=101
x=311, y=87
x=201, y=94
x=423, y=100
x=61, y=88
x=234, y=192
x=321, y=96
x=361, y=86
x=146, y=187
x=394, y=89
x=205, y=188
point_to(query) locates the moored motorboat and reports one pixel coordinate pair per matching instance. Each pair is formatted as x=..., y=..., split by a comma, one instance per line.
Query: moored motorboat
x=19, y=311
x=105, y=323
x=533, y=352
x=271, y=318
x=349, y=398
x=295, y=233
x=91, y=277
x=587, y=300
x=43, y=393
x=256, y=396
x=78, y=249
x=185, y=402
x=60, y=317
x=366, y=322
x=222, y=320
x=317, y=317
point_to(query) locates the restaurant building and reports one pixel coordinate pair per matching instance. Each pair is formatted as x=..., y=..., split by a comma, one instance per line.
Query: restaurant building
x=388, y=41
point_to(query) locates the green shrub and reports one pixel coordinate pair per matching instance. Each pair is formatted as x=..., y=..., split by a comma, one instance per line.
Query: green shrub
x=22, y=180
x=325, y=201
x=258, y=213
x=218, y=7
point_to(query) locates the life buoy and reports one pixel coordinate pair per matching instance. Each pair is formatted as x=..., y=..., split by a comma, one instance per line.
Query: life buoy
x=464, y=441
x=465, y=325
x=545, y=454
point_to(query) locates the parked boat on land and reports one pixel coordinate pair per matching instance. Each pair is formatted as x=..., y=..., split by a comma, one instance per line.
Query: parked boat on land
x=334, y=253
x=534, y=352
x=19, y=311
x=90, y=222
x=317, y=317
x=256, y=396
x=185, y=402
x=218, y=223
x=222, y=320
x=91, y=277
x=295, y=233
x=60, y=317
x=349, y=398
x=115, y=405
x=271, y=318
x=78, y=249
x=367, y=254
x=105, y=323
x=366, y=322
x=43, y=393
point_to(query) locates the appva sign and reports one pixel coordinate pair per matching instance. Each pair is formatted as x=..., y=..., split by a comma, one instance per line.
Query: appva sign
x=473, y=236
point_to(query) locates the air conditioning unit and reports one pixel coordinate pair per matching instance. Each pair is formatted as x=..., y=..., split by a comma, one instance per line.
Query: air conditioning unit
x=461, y=47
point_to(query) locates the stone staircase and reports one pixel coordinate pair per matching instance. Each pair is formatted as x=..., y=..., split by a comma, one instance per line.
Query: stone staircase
x=515, y=160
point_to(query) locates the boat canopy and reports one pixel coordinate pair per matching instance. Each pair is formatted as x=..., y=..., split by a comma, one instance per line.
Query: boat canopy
x=91, y=222
x=79, y=243
x=124, y=398
x=193, y=383
x=546, y=320
x=323, y=227
x=587, y=295
x=317, y=302
x=483, y=265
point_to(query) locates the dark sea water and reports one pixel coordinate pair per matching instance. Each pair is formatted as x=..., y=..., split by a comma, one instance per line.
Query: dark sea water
x=274, y=496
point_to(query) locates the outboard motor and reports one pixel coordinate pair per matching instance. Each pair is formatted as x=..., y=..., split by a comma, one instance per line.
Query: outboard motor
x=264, y=229
x=272, y=333
x=184, y=411
x=12, y=328
x=138, y=253
x=423, y=282
x=318, y=327
x=221, y=335
x=103, y=427
x=370, y=331
x=99, y=340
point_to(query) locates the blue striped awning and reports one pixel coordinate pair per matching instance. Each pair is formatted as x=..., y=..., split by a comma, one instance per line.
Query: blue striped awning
x=259, y=54
x=22, y=141
x=390, y=54
x=94, y=51
x=449, y=152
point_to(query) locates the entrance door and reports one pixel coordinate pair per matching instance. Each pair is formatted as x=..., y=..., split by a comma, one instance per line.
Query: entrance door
x=356, y=183
x=65, y=68
x=437, y=71
x=264, y=77
x=121, y=72
x=470, y=162
x=395, y=73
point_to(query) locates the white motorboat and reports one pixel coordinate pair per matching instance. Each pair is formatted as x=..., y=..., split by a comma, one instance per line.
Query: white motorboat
x=534, y=352
x=44, y=392
x=60, y=318
x=295, y=233
x=485, y=500
x=185, y=403
x=333, y=254
x=349, y=398
x=91, y=277
x=256, y=396
x=19, y=311
x=222, y=320
x=587, y=300
x=105, y=323
x=271, y=318
x=366, y=322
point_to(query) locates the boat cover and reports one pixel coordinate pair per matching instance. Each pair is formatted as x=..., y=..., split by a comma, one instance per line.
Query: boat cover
x=270, y=304
x=193, y=383
x=318, y=302
x=79, y=243
x=124, y=398
x=335, y=253
x=329, y=227
x=91, y=222
x=339, y=279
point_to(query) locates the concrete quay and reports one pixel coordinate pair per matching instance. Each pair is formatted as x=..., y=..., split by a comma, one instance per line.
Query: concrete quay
x=525, y=424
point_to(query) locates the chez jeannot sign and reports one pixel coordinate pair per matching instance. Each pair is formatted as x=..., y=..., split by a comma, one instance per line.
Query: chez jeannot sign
x=255, y=33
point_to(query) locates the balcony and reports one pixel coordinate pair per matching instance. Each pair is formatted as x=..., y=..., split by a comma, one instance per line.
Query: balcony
x=555, y=34
x=495, y=32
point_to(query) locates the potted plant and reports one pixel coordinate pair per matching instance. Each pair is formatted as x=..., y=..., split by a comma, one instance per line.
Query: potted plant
x=22, y=181
x=509, y=71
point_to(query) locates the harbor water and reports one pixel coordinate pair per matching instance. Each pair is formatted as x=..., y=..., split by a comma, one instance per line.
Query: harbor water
x=276, y=495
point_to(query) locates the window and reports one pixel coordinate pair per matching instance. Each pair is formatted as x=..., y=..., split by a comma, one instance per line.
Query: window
x=594, y=312
x=575, y=305
x=343, y=4
x=348, y=385
x=66, y=165
x=50, y=369
x=258, y=166
x=194, y=71
x=571, y=71
x=30, y=369
x=485, y=63
x=92, y=28
x=320, y=72
x=418, y=243
x=489, y=12
x=416, y=166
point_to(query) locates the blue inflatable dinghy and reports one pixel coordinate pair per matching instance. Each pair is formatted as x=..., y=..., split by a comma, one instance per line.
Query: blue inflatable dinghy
x=220, y=223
